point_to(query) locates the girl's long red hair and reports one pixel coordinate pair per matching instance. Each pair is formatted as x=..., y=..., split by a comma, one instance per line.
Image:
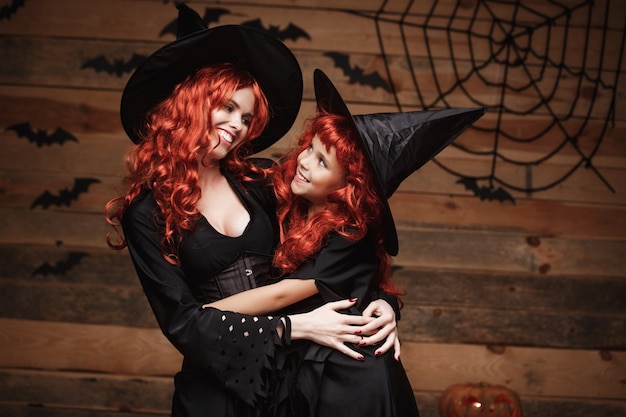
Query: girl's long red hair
x=351, y=211
x=174, y=140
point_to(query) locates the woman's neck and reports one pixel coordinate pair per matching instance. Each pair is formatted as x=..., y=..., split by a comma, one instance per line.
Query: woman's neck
x=209, y=174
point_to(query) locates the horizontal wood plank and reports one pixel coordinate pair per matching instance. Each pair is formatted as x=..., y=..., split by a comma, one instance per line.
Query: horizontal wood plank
x=515, y=253
x=439, y=306
x=66, y=265
x=545, y=372
x=37, y=393
x=63, y=267
x=435, y=320
x=35, y=410
x=533, y=293
x=82, y=347
x=533, y=217
x=50, y=227
x=76, y=303
x=419, y=247
x=334, y=25
x=507, y=327
x=39, y=10
x=437, y=79
x=118, y=350
x=100, y=392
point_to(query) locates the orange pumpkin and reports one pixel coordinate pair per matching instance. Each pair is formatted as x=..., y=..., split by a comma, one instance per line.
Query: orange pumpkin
x=479, y=400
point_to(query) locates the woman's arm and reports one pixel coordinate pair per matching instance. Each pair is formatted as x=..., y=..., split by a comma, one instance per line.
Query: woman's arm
x=209, y=339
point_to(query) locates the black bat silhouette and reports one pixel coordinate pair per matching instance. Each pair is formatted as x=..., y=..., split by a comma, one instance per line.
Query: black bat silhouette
x=66, y=195
x=60, y=267
x=355, y=73
x=486, y=193
x=41, y=137
x=211, y=15
x=292, y=32
x=7, y=11
x=117, y=67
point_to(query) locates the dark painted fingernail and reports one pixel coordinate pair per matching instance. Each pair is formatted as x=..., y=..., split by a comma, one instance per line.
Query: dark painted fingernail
x=378, y=353
x=352, y=300
x=361, y=358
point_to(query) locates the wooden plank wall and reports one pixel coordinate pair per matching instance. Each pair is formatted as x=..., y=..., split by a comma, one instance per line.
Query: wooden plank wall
x=530, y=295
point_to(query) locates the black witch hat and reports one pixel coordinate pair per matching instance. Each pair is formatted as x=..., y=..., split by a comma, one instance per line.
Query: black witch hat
x=396, y=144
x=269, y=61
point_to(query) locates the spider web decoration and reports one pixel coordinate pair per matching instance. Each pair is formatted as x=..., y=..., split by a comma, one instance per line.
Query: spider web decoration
x=547, y=72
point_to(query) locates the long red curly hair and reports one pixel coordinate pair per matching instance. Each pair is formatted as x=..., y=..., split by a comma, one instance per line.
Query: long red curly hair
x=174, y=140
x=351, y=210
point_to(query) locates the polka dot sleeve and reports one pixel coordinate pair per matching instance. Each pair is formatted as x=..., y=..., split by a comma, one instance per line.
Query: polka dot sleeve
x=247, y=353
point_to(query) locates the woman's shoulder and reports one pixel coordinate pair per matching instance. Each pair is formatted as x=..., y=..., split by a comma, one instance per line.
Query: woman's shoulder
x=143, y=206
x=263, y=163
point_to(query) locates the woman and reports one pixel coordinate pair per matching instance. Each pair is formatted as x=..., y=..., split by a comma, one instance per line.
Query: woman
x=195, y=218
x=337, y=236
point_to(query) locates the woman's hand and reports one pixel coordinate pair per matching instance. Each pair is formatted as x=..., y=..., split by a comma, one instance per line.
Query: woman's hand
x=383, y=327
x=327, y=327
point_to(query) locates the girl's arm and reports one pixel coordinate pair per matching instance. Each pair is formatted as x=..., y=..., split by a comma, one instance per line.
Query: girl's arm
x=267, y=299
x=324, y=325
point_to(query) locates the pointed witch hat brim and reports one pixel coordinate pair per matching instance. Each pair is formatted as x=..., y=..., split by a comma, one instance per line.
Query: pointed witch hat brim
x=269, y=61
x=396, y=144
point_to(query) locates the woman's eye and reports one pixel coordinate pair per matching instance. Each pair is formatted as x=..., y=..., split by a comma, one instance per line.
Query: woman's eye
x=246, y=121
x=228, y=107
x=322, y=163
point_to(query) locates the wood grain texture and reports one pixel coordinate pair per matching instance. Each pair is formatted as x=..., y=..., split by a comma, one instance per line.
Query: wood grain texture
x=430, y=366
x=528, y=294
x=434, y=82
x=45, y=393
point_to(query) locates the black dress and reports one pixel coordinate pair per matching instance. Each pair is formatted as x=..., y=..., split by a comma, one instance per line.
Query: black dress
x=324, y=382
x=230, y=360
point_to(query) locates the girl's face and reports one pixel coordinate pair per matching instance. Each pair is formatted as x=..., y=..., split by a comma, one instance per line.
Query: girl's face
x=318, y=173
x=231, y=122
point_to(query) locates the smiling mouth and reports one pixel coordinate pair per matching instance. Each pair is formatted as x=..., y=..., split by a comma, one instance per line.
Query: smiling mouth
x=225, y=136
x=301, y=177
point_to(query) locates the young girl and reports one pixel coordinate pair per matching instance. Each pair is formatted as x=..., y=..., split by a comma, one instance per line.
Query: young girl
x=337, y=235
x=196, y=224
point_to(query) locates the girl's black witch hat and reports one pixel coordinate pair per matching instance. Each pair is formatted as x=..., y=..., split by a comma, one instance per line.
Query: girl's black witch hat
x=396, y=144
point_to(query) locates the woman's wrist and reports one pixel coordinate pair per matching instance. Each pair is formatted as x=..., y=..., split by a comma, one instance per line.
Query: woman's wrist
x=298, y=326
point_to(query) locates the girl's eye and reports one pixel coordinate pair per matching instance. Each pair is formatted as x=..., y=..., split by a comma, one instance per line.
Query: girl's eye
x=246, y=121
x=322, y=163
x=229, y=107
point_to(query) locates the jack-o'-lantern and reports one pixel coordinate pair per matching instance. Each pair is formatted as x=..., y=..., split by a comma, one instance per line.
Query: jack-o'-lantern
x=479, y=400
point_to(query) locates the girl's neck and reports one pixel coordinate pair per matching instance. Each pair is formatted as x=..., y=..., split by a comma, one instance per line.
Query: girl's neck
x=313, y=209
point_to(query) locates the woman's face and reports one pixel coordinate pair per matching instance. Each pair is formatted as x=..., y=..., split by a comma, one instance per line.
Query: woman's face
x=318, y=173
x=231, y=122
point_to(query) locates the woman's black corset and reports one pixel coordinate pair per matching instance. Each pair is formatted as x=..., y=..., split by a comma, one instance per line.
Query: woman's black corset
x=248, y=271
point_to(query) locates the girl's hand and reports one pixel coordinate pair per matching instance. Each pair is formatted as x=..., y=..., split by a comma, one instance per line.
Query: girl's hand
x=382, y=327
x=327, y=327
